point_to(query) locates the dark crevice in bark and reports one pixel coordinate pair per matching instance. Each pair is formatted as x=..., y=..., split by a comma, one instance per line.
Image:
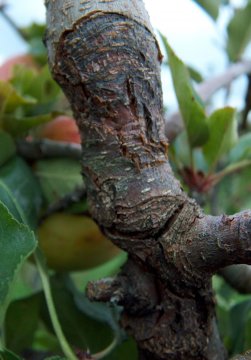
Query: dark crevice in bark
x=168, y=225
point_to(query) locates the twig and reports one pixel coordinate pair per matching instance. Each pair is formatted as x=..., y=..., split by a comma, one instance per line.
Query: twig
x=209, y=87
x=9, y=20
x=230, y=169
x=39, y=149
x=174, y=123
x=75, y=196
x=68, y=352
x=244, y=123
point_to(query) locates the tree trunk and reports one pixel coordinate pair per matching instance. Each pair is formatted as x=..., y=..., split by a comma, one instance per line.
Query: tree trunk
x=105, y=57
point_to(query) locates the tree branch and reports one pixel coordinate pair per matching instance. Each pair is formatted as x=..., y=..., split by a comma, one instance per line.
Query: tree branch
x=106, y=59
x=219, y=241
x=40, y=149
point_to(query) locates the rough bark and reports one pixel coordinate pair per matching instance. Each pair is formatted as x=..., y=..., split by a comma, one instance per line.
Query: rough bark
x=106, y=59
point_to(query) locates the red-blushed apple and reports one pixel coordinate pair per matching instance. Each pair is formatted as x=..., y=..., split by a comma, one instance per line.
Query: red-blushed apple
x=62, y=128
x=6, y=69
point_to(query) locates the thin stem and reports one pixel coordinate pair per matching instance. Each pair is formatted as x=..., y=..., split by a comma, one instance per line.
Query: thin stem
x=231, y=169
x=45, y=148
x=192, y=159
x=105, y=352
x=12, y=23
x=51, y=308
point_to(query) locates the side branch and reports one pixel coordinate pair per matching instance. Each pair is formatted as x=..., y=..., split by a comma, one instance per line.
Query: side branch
x=219, y=241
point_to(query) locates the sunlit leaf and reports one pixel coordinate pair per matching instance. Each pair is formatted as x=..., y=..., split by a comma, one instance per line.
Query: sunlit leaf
x=39, y=84
x=190, y=104
x=239, y=32
x=194, y=74
x=23, y=78
x=10, y=99
x=223, y=135
x=210, y=6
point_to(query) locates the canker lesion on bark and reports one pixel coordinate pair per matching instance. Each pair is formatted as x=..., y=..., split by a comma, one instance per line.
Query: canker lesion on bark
x=106, y=59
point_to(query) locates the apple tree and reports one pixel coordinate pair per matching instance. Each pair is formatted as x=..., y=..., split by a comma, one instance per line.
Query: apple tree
x=167, y=205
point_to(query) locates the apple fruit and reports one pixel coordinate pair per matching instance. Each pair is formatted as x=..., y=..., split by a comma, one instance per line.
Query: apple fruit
x=6, y=69
x=61, y=128
x=73, y=242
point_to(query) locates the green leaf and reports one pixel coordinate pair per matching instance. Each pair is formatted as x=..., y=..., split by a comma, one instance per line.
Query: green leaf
x=34, y=34
x=126, y=350
x=180, y=148
x=223, y=135
x=95, y=310
x=32, y=31
x=238, y=185
x=190, y=104
x=211, y=7
x=24, y=189
x=45, y=340
x=58, y=177
x=194, y=74
x=224, y=325
x=17, y=242
x=10, y=99
x=108, y=269
x=19, y=125
x=8, y=355
x=240, y=319
x=80, y=330
x=39, y=85
x=7, y=147
x=7, y=198
x=38, y=50
x=242, y=149
x=239, y=32
x=23, y=78
x=21, y=322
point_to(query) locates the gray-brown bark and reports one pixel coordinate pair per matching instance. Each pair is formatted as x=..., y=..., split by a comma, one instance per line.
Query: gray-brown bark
x=107, y=62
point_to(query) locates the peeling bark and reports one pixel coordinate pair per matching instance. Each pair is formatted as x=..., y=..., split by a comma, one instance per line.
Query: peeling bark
x=106, y=59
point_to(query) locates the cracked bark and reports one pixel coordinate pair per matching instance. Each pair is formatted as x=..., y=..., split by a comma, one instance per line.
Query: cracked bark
x=106, y=59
